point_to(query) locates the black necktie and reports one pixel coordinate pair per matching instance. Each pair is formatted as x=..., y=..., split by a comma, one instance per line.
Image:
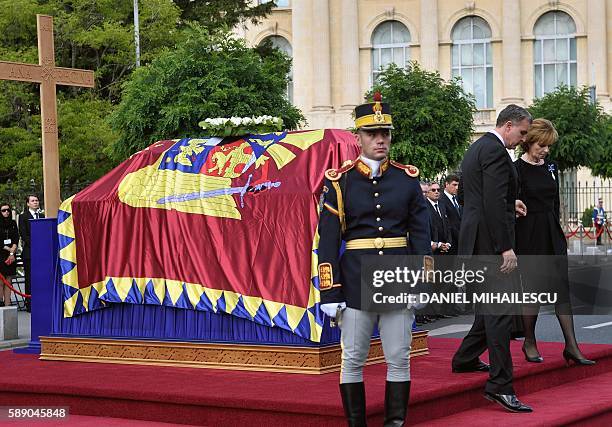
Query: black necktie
x=437, y=210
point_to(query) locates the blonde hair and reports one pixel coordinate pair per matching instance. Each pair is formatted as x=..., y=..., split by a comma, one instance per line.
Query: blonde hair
x=541, y=131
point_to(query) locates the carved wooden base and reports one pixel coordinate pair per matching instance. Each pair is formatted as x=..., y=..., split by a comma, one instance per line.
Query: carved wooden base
x=305, y=360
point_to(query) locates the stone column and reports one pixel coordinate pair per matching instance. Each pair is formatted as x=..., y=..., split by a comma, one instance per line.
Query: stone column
x=597, y=47
x=351, y=92
x=511, y=52
x=301, y=44
x=429, y=34
x=321, y=55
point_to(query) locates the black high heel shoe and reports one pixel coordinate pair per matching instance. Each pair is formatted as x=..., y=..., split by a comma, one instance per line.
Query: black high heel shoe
x=537, y=359
x=568, y=356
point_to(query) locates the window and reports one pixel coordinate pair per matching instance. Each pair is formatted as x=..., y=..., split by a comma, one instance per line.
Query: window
x=471, y=59
x=279, y=3
x=283, y=45
x=554, y=52
x=390, y=44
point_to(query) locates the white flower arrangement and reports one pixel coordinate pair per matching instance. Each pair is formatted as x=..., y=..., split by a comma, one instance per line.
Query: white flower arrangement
x=236, y=126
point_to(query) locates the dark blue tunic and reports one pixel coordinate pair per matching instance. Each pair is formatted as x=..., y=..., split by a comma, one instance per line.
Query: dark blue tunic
x=390, y=205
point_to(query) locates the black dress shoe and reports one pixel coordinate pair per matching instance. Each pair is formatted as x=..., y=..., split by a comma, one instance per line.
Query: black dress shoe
x=508, y=401
x=478, y=367
x=533, y=359
x=577, y=360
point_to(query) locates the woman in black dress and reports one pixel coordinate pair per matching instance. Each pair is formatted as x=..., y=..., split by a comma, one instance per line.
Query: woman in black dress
x=10, y=237
x=540, y=233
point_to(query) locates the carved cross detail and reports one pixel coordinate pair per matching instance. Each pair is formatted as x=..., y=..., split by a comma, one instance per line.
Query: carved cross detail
x=48, y=76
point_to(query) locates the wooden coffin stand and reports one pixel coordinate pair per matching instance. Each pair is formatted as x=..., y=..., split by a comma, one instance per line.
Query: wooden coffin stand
x=270, y=358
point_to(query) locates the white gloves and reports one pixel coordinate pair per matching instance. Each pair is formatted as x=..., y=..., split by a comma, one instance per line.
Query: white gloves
x=331, y=309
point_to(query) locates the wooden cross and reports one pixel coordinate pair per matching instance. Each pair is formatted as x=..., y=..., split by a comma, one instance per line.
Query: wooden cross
x=48, y=75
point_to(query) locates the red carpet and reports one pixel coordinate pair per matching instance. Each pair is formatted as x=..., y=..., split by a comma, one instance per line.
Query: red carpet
x=559, y=395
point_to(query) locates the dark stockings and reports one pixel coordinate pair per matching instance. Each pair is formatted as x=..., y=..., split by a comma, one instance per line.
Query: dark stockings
x=566, y=321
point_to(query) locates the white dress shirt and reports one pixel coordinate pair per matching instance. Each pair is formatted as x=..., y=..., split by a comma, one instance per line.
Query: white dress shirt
x=373, y=164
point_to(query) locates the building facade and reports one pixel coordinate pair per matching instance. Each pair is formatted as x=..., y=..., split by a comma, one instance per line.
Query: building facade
x=505, y=51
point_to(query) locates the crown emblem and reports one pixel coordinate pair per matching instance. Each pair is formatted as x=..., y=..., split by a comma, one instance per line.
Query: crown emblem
x=377, y=108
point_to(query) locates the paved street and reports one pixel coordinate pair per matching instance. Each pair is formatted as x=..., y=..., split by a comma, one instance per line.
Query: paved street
x=589, y=329
x=24, y=332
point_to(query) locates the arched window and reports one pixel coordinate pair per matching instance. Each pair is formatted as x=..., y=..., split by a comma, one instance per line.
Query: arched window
x=554, y=52
x=472, y=60
x=390, y=44
x=282, y=44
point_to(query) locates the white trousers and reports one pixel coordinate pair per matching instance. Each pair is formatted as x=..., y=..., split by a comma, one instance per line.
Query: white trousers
x=356, y=328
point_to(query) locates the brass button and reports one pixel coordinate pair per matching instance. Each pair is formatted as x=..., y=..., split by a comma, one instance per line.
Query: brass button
x=375, y=194
x=379, y=243
x=377, y=219
x=380, y=252
x=378, y=206
x=380, y=229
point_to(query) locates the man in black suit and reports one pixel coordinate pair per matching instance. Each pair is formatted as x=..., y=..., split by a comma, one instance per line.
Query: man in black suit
x=441, y=243
x=439, y=227
x=32, y=211
x=448, y=200
x=488, y=191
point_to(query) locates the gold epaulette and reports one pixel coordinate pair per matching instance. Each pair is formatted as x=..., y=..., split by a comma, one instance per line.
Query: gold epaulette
x=336, y=174
x=411, y=171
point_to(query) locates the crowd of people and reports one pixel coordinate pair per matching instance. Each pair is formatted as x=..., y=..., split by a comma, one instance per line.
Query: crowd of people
x=497, y=208
x=11, y=235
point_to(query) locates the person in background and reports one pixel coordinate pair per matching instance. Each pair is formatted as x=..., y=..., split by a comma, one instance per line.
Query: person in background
x=453, y=213
x=10, y=239
x=419, y=317
x=440, y=244
x=440, y=232
x=453, y=209
x=32, y=211
x=599, y=219
x=540, y=233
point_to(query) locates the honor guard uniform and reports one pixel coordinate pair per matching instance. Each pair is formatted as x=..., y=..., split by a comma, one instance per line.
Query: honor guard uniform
x=376, y=206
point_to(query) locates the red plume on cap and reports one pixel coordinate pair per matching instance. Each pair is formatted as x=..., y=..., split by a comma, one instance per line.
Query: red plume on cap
x=377, y=97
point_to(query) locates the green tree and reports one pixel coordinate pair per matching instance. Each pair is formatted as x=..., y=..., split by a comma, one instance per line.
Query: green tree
x=206, y=76
x=94, y=35
x=603, y=167
x=580, y=124
x=432, y=118
x=587, y=216
x=223, y=13
x=99, y=35
x=85, y=136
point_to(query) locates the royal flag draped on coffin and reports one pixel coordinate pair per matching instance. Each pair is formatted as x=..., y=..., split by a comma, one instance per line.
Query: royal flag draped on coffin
x=220, y=224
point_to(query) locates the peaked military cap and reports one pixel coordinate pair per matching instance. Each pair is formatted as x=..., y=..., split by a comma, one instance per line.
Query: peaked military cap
x=373, y=115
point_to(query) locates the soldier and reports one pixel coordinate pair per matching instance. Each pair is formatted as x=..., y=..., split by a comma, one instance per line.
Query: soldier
x=376, y=206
